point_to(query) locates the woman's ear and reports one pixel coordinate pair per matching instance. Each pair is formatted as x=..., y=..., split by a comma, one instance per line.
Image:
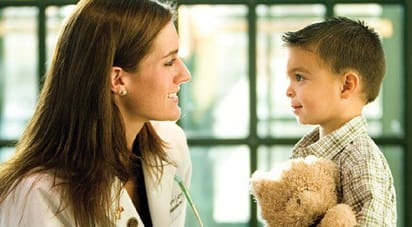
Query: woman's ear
x=117, y=83
x=350, y=84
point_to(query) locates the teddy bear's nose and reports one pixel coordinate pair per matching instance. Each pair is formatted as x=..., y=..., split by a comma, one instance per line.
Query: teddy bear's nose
x=298, y=200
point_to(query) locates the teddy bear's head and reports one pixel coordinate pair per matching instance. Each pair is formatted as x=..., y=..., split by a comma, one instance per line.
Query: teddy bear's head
x=296, y=193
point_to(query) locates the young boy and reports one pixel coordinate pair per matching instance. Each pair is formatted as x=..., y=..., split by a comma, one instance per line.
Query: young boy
x=335, y=68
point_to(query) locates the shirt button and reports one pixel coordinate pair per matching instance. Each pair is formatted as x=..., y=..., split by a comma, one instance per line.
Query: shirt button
x=132, y=222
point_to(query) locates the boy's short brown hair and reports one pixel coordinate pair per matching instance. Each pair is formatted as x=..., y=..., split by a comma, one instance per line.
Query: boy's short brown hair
x=345, y=44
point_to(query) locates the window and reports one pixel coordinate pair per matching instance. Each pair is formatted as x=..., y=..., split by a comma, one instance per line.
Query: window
x=18, y=71
x=225, y=81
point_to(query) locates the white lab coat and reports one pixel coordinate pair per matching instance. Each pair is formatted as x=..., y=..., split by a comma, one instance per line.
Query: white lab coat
x=33, y=203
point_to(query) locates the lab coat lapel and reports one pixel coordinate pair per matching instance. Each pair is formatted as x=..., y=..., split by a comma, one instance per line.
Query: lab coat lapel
x=128, y=212
x=159, y=196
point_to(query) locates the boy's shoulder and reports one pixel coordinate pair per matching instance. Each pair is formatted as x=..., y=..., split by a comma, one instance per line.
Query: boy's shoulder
x=362, y=153
x=363, y=146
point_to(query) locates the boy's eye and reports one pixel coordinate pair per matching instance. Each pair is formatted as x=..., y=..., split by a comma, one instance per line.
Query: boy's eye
x=299, y=77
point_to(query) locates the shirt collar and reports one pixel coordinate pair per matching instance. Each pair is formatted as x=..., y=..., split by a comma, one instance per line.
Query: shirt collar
x=331, y=144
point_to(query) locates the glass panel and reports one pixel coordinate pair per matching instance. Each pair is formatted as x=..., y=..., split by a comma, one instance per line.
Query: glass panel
x=395, y=157
x=214, y=47
x=18, y=69
x=220, y=185
x=5, y=153
x=55, y=19
x=385, y=115
x=274, y=114
x=268, y=157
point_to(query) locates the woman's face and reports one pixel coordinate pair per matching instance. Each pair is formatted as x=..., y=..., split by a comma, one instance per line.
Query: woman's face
x=152, y=89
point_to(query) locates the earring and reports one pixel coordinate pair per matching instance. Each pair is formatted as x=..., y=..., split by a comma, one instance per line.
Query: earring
x=123, y=92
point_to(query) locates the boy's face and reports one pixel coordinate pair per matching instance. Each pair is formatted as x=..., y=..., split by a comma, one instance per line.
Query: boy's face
x=314, y=90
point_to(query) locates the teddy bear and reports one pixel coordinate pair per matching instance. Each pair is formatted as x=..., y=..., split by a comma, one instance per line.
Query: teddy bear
x=301, y=192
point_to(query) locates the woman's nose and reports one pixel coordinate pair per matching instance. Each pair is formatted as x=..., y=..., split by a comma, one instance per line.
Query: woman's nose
x=183, y=74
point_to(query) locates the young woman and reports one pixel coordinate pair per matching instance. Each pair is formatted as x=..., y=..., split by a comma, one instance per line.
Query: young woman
x=102, y=148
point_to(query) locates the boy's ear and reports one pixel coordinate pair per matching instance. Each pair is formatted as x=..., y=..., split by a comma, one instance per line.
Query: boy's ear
x=350, y=84
x=116, y=82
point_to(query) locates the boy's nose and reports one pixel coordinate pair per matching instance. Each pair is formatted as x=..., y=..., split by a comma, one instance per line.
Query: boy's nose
x=289, y=92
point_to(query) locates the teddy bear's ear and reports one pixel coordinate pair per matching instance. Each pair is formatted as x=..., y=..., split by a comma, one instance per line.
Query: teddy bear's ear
x=259, y=181
x=271, y=197
x=265, y=188
x=269, y=192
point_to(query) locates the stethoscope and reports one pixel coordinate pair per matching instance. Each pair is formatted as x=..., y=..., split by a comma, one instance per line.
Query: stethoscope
x=189, y=199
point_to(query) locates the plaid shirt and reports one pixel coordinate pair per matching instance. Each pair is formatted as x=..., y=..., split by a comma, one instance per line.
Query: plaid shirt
x=366, y=180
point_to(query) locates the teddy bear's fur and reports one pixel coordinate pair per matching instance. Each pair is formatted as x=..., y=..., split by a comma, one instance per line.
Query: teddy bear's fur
x=301, y=192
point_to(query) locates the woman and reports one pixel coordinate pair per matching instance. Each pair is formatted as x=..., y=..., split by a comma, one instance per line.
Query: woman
x=115, y=71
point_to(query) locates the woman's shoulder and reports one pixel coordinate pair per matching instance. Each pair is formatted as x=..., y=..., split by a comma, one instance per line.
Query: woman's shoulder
x=34, y=182
x=34, y=201
x=30, y=188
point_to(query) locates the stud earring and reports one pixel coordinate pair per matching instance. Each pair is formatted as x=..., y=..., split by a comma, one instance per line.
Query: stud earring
x=123, y=92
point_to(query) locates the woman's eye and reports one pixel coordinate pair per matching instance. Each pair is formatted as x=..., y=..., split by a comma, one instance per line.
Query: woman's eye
x=171, y=62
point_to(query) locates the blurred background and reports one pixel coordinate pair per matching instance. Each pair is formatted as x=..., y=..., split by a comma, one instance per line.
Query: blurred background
x=235, y=111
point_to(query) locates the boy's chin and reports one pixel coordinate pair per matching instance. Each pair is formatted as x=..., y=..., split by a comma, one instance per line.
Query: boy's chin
x=303, y=121
x=300, y=120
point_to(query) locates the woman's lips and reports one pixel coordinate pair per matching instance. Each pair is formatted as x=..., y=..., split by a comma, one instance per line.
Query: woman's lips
x=173, y=96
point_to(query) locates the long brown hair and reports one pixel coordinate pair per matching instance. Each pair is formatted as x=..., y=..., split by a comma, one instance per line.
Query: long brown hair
x=77, y=133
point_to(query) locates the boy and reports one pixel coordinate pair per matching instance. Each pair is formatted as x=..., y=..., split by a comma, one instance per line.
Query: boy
x=335, y=68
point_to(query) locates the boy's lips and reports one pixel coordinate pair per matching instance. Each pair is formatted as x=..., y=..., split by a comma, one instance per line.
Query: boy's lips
x=296, y=108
